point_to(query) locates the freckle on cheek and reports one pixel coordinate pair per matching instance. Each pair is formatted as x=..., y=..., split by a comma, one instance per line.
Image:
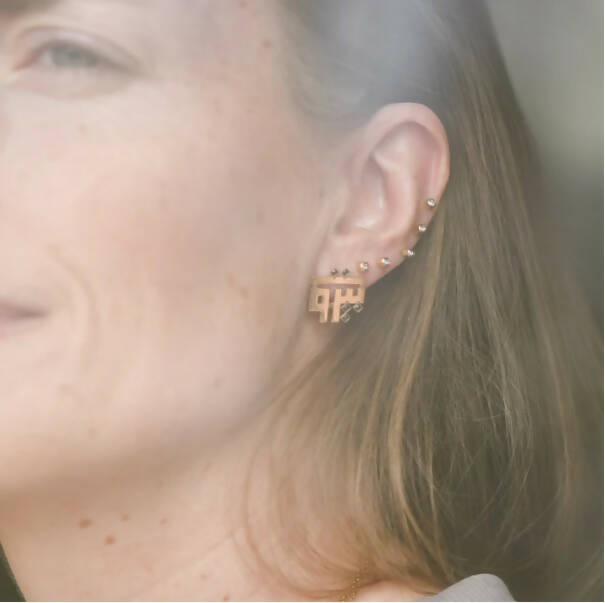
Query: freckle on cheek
x=217, y=382
x=241, y=289
x=164, y=521
x=125, y=517
x=267, y=43
x=110, y=540
x=226, y=598
x=84, y=523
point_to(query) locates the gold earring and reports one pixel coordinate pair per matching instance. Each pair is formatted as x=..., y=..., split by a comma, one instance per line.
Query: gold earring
x=341, y=294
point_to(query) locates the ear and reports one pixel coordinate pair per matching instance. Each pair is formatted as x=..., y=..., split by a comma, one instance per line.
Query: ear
x=391, y=166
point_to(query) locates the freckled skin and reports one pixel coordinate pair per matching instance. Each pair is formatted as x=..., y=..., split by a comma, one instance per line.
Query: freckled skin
x=241, y=290
x=161, y=233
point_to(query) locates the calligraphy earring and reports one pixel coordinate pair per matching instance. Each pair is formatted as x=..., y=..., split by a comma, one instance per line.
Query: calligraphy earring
x=342, y=294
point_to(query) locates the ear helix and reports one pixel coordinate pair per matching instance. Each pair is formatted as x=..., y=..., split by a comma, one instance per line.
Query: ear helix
x=342, y=304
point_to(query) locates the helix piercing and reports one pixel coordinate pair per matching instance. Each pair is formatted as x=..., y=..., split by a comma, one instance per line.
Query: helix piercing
x=342, y=304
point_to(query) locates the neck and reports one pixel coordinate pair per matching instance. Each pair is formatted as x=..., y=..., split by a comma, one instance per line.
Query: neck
x=160, y=533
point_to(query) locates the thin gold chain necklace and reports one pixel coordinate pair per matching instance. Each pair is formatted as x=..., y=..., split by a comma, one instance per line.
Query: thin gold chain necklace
x=350, y=593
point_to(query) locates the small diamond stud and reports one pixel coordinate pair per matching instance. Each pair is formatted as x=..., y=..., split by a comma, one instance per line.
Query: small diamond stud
x=345, y=272
x=421, y=227
x=334, y=272
x=431, y=202
x=408, y=252
x=384, y=262
x=364, y=266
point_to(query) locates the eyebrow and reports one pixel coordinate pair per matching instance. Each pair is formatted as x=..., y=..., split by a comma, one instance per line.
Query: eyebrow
x=22, y=6
x=15, y=7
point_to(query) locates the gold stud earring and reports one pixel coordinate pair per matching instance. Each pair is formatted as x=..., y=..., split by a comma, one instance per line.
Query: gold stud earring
x=383, y=262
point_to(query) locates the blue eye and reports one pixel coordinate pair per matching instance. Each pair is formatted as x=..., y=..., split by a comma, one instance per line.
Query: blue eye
x=61, y=55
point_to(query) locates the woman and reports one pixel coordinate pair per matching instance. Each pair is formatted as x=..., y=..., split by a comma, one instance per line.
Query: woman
x=177, y=421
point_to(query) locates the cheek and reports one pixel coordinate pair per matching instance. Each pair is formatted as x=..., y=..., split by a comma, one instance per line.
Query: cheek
x=180, y=261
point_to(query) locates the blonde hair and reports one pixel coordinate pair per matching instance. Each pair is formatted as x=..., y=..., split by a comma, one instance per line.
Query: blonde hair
x=454, y=427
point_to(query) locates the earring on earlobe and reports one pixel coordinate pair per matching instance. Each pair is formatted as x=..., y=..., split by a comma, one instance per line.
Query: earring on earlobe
x=341, y=294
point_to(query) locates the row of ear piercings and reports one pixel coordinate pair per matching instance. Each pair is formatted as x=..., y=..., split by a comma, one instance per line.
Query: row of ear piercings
x=348, y=290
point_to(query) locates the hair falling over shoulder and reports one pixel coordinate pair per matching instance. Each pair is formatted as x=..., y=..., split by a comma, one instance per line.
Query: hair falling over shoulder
x=457, y=429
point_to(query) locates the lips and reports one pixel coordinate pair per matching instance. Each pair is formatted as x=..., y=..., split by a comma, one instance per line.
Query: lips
x=10, y=311
x=14, y=316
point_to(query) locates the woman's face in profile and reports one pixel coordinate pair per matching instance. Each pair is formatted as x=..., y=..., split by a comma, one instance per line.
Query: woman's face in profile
x=154, y=200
